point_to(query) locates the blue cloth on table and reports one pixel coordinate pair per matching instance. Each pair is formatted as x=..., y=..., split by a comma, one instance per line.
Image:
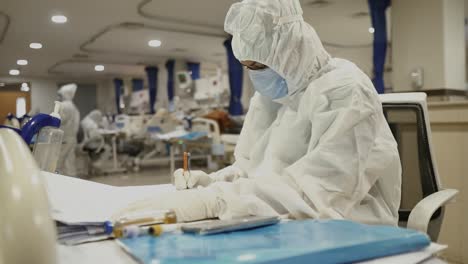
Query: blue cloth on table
x=308, y=241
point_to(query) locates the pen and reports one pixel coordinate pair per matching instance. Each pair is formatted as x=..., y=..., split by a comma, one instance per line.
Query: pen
x=186, y=161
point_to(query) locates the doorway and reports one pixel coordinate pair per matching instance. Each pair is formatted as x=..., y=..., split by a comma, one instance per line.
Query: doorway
x=15, y=99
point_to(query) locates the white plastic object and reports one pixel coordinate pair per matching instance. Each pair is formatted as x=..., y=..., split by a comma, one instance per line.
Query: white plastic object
x=417, y=78
x=56, y=112
x=421, y=215
x=27, y=232
x=47, y=148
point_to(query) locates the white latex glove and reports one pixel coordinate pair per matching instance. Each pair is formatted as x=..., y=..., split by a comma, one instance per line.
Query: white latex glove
x=189, y=205
x=222, y=199
x=193, y=179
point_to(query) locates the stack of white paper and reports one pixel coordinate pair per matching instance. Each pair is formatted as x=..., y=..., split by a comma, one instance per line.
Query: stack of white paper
x=82, y=207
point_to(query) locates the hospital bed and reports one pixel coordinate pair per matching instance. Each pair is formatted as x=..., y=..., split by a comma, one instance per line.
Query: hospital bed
x=211, y=147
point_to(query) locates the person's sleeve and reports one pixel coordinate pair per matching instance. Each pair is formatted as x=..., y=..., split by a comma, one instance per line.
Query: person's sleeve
x=346, y=155
x=260, y=116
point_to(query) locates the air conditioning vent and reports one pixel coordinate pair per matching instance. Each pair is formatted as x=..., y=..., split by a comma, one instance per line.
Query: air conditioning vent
x=132, y=25
x=362, y=14
x=179, y=50
x=318, y=3
x=81, y=56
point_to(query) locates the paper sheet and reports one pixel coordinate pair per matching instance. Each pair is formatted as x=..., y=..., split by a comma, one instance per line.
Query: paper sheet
x=411, y=258
x=78, y=201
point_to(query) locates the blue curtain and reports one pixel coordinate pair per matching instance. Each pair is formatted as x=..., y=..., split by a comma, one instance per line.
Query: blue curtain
x=137, y=85
x=236, y=80
x=170, y=64
x=118, y=84
x=152, y=74
x=379, y=22
x=194, y=68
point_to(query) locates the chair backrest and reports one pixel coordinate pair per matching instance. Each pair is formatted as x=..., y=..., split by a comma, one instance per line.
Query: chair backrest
x=407, y=116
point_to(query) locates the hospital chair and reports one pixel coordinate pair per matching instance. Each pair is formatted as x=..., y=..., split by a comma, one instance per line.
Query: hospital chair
x=423, y=198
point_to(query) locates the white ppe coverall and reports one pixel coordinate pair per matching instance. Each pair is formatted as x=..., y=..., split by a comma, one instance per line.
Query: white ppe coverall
x=91, y=123
x=70, y=125
x=324, y=151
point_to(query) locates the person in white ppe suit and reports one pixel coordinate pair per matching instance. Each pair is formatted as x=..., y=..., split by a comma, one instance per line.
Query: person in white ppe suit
x=70, y=125
x=315, y=142
x=91, y=124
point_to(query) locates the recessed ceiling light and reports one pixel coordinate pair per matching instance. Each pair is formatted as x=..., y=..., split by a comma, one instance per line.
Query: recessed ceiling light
x=371, y=30
x=35, y=45
x=14, y=72
x=99, y=68
x=154, y=43
x=22, y=62
x=59, y=19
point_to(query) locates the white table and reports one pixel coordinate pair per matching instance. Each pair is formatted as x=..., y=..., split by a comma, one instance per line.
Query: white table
x=66, y=196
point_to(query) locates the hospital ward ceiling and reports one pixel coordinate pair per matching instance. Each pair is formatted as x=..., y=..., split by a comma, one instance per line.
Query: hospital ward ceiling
x=117, y=34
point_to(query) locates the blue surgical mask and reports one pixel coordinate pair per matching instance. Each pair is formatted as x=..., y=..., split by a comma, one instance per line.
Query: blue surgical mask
x=269, y=83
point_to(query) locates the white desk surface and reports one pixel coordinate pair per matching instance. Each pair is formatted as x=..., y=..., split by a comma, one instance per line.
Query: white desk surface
x=67, y=193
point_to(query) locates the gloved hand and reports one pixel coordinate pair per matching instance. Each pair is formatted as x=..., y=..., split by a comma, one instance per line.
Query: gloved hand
x=222, y=199
x=193, y=179
x=189, y=205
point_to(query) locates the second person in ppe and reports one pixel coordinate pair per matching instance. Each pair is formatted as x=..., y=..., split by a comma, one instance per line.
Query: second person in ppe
x=70, y=126
x=315, y=142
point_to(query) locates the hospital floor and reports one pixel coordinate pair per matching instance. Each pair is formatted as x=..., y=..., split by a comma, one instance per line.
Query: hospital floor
x=150, y=176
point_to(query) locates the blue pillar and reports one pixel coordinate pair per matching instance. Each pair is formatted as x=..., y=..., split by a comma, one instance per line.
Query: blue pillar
x=194, y=68
x=152, y=74
x=118, y=84
x=236, y=80
x=170, y=64
x=379, y=22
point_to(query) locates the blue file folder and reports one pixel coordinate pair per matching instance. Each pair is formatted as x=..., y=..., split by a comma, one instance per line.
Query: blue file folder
x=308, y=242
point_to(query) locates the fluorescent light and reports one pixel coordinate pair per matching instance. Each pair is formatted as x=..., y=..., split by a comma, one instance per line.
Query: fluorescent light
x=99, y=68
x=35, y=45
x=371, y=30
x=154, y=43
x=59, y=19
x=22, y=62
x=14, y=72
